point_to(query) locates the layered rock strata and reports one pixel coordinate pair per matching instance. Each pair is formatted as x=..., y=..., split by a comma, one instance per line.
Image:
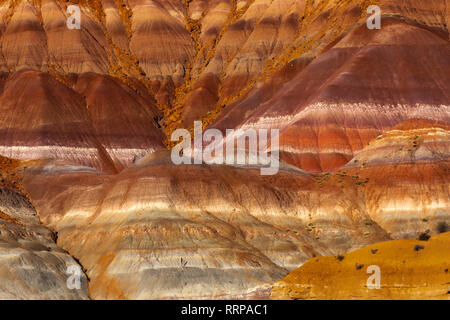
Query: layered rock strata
x=32, y=266
x=157, y=230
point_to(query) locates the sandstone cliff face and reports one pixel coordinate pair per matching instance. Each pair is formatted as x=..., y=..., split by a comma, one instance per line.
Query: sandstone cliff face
x=409, y=269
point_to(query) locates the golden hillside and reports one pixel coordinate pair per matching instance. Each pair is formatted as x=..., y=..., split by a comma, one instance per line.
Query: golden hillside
x=410, y=269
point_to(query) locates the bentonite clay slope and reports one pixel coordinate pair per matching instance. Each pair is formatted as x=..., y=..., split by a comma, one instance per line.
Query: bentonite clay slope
x=104, y=125
x=194, y=59
x=259, y=37
x=157, y=230
x=366, y=84
x=57, y=98
x=161, y=231
x=32, y=266
x=405, y=174
x=409, y=269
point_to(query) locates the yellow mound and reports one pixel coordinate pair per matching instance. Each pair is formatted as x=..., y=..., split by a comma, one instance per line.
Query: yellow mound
x=409, y=269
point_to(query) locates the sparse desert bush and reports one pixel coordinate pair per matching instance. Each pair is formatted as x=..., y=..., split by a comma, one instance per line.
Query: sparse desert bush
x=442, y=227
x=424, y=236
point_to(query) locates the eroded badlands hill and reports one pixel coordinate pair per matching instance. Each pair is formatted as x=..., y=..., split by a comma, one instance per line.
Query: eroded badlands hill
x=369, y=82
x=114, y=90
x=157, y=230
x=364, y=138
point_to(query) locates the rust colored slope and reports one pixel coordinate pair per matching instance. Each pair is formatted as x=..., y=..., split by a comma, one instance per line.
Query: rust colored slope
x=410, y=269
x=366, y=84
x=24, y=43
x=256, y=40
x=434, y=14
x=160, y=41
x=102, y=123
x=123, y=121
x=41, y=118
